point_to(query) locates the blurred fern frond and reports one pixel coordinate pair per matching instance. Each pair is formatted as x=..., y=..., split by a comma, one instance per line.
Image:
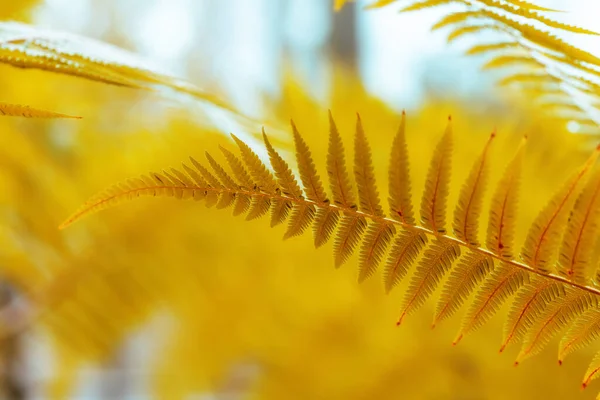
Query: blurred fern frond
x=16, y=110
x=26, y=46
x=564, y=79
x=551, y=288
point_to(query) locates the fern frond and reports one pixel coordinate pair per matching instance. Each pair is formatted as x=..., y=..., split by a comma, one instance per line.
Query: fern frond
x=336, y=169
x=405, y=251
x=502, y=61
x=16, y=110
x=503, y=210
x=462, y=30
x=593, y=371
x=455, y=18
x=530, y=6
x=326, y=219
x=544, y=303
x=538, y=50
x=400, y=199
x=26, y=46
x=306, y=167
x=436, y=261
x=487, y=48
x=377, y=239
x=470, y=201
x=470, y=271
x=555, y=318
x=533, y=15
x=433, y=202
x=259, y=172
x=529, y=302
x=502, y=283
x=575, y=256
x=544, y=234
x=285, y=179
x=584, y=331
x=364, y=175
x=258, y=205
x=350, y=231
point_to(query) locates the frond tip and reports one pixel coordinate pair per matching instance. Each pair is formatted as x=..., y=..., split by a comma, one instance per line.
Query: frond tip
x=544, y=303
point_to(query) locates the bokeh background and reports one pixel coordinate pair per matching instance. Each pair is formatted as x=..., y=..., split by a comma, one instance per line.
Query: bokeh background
x=166, y=299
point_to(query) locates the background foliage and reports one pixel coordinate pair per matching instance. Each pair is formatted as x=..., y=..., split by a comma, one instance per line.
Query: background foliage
x=168, y=299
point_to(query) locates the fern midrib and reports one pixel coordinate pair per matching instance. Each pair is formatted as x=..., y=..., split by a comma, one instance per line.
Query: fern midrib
x=347, y=211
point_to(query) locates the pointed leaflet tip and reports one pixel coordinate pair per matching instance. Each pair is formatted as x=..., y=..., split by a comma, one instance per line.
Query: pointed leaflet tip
x=403, y=112
x=458, y=339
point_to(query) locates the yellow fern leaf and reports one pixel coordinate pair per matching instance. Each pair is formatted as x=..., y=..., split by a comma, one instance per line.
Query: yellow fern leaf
x=510, y=60
x=468, y=210
x=242, y=201
x=593, y=371
x=222, y=175
x=583, y=332
x=502, y=283
x=238, y=169
x=15, y=110
x=433, y=203
x=575, y=258
x=285, y=178
x=528, y=13
x=530, y=301
x=436, y=261
x=375, y=243
x=400, y=198
x=280, y=209
x=26, y=46
x=326, y=220
x=348, y=236
x=467, y=29
x=530, y=6
x=405, y=250
x=225, y=198
x=301, y=217
x=306, y=167
x=379, y=4
x=455, y=18
x=544, y=234
x=258, y=205
x=364, y=175
x=336, y=169
x=556, y=317
x=503, y=209
x=258, y=170
x=463, y=279
x=486, y=48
